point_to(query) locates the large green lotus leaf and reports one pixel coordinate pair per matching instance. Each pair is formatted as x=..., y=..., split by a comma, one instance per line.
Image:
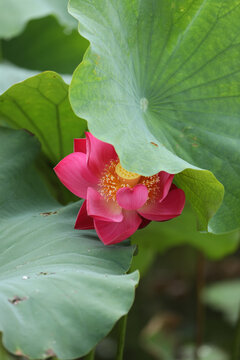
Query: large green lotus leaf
x=15, y=14
x=40, y=104
x=160, y=82
x=55, y=49
x=205, y=194
x=61, y=290
x=181, y=231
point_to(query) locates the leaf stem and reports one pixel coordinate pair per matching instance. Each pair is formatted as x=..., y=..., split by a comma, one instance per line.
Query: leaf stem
x=91, y=355
x=121, y=338
x=236, y=345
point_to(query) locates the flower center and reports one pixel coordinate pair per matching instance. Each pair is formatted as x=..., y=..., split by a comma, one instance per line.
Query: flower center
x=127, y=177
x=115, y=177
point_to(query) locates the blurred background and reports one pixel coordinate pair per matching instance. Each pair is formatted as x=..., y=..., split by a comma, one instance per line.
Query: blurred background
x=187, y=302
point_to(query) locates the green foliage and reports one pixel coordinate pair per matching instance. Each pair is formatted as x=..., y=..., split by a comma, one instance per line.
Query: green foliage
x=55, y=48
x=15, y=14
x=160, y=82
x=11, y=74
x=57, y=285
x=143, y=259
x=224, y=296
x=204, y=192
x=182, y=230
x=40, y=104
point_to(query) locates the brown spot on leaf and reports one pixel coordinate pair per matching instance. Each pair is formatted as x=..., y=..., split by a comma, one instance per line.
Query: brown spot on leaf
x=48, y=213
x=19, y=352
x=46, y=273
x=153, y=143
x=50, y=352
x=195, y=145
x=16, y=300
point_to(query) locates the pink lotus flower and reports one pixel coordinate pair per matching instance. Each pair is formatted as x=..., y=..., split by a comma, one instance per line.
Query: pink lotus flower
x=118, y=202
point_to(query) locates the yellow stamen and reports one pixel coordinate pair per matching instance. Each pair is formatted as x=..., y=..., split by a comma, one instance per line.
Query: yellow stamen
x=127, y=177
x=115, y=177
